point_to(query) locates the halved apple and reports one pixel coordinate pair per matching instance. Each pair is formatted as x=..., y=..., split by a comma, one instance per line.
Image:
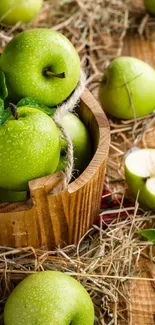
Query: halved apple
x=140, y=176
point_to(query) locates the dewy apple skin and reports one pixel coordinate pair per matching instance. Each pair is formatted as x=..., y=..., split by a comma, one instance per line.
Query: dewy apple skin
x=45, y=66
x=14, y=11
x=49, y=298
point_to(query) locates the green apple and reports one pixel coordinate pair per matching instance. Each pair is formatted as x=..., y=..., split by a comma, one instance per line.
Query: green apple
x=42, y=64
x=127, y=88
x=12, y=196
x=49, y=298
x=140, y=176
x=12, y=11
x=29, y=148
x=81, y=143
x=150, y=6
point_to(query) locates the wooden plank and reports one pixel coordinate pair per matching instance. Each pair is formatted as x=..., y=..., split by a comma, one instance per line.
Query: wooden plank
x=141, y=294
x=138, y=4
x=140, y=48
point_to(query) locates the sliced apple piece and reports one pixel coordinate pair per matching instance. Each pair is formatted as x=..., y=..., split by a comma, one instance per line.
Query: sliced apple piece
x=140, y=176
x=150, y=184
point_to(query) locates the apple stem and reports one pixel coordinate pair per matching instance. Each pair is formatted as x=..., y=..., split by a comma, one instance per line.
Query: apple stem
x=49, y=73
x=13, y=108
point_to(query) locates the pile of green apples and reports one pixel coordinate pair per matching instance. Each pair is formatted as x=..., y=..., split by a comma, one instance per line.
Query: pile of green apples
x=39, y=69
x=127, y=91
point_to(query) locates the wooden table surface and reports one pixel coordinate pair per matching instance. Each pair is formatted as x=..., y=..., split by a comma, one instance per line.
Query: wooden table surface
x=141, y=294
x=140, y=48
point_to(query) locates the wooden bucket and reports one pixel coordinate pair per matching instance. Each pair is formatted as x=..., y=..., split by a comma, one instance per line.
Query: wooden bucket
x=54, y=215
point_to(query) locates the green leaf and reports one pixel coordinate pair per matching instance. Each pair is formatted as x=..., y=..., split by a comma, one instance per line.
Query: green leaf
x=1, y=106
x=3, y=87
x=1, y=111
x=5, y=116
x=31, y=102
x=148, y=233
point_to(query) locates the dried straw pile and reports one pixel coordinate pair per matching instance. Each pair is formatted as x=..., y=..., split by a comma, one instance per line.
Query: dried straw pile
x=103, y=261
x=108, y=255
